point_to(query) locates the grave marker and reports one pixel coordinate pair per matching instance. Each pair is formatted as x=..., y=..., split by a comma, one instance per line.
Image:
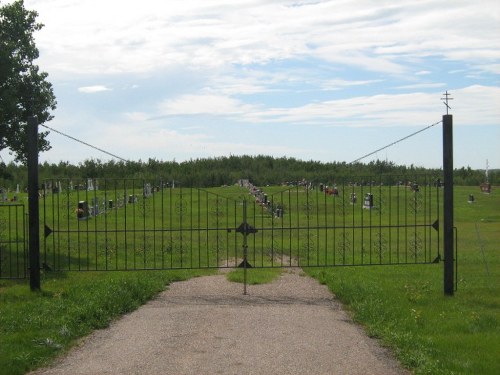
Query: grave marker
x=368, y=204
x=82, y=212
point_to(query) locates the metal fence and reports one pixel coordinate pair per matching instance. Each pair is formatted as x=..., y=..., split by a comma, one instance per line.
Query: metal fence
x=132, y=224
x=13, y=244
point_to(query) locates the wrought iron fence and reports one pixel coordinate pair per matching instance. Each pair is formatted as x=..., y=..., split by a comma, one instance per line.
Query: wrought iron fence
x=134, y=224
x=13, y=245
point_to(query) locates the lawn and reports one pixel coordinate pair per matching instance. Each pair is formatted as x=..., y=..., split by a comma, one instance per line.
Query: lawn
x=403, y=305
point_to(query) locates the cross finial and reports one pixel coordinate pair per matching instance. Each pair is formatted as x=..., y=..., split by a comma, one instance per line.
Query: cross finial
x=446, y=99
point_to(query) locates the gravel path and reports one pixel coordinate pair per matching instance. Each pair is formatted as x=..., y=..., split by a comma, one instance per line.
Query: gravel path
x=207, y=326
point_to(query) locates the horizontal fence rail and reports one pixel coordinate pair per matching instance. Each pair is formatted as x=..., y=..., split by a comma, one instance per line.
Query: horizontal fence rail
x=132, y=224
x=13, y=244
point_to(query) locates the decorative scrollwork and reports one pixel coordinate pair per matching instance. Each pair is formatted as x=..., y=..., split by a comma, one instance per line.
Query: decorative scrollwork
x=415, y=245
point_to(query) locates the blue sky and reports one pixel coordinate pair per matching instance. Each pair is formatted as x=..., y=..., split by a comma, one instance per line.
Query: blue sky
x=320, y=80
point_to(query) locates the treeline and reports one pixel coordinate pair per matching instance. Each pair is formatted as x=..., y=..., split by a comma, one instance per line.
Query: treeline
x=261, y=170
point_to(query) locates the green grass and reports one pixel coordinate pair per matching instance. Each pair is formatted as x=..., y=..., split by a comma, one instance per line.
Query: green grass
x=255, y=276
x=36, y=327
x=405, y=306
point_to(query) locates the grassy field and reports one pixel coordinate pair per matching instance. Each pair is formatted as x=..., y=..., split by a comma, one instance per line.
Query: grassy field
x=122, y=229
x=402, y=305
x=406, y=309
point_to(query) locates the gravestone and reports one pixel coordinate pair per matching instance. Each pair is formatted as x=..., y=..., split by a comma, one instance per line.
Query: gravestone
x=82, y=212
x=368, y=203
x=471, y=198
x=147, y=190
x=354, y=198
x=485, y=187
x=95, y=206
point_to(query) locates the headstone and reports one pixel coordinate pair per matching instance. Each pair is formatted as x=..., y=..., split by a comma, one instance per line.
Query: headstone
x=147, y=190
x=485, y=187
x=354, y=198
x=90, y=184
x=17, y=189
x=368, y=204
x=471, y=198
x=82, y=212
x=95, y=206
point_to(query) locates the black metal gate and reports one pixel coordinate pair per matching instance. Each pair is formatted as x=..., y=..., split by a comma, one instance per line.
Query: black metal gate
x=138, y=224
x=13, y=244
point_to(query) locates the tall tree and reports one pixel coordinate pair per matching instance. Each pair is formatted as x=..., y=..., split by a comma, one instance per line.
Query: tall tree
x=24, y=89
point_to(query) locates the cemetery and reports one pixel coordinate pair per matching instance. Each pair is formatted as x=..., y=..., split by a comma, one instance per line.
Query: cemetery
x=116, y=224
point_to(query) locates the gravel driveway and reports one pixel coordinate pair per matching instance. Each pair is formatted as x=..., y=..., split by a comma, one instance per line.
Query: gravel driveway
x=207, y=326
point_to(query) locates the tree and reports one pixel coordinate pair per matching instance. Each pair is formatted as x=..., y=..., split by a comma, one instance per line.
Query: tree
x=24, y=90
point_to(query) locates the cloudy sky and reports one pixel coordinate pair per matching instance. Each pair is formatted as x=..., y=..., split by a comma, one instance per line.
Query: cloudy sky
x=310, y=79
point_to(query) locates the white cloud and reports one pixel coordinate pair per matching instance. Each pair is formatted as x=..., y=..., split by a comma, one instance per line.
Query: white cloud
x=411, y=109
x=204, y=104
x=93, y=89
x=93, y=36
x=422, y=86
x=197, y=66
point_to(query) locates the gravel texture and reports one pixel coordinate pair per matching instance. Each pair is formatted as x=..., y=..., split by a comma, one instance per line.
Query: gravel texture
x=207, y=326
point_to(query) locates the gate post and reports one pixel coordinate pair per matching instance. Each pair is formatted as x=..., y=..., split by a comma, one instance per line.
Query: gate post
x=33, y=209
x=448, y=204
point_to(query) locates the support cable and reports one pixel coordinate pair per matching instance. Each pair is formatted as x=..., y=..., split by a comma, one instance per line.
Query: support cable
x=395, y=142
x=85, y=143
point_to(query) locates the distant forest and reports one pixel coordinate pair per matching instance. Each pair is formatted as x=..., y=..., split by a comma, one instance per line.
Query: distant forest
x=260, y=170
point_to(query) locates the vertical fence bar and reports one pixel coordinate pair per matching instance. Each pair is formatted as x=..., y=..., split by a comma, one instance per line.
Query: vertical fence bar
x=448, y=204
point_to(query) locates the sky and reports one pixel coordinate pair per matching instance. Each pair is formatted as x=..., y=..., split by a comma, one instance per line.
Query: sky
x=319, y=80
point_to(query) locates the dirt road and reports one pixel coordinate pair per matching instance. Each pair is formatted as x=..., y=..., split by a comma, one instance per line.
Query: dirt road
x=207, y=326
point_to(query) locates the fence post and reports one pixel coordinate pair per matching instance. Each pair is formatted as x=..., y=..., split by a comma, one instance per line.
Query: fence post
x=245, y=247
x=33, y=209
x=448, y=204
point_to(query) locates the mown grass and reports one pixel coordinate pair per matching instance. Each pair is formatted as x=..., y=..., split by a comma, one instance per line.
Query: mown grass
x=402, y=305
x=254, y=276
x=405, y=306
x=36, y=327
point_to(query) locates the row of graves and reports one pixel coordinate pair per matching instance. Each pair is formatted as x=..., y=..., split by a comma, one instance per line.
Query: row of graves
x=261, y=199
x=5, y=195
x=85, y=211
x=368, y=201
